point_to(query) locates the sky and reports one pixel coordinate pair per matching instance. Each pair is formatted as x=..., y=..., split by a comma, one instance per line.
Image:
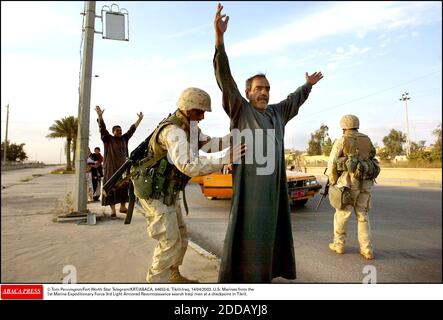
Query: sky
x=369, y=53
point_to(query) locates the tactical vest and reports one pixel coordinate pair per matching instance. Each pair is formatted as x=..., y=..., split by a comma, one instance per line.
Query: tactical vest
x=357, y=144
x=154, y=177
x=358, y=157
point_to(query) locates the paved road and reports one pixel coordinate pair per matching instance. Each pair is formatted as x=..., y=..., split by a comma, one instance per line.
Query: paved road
x=34, y=249
x=12, y=177
x=406, y=227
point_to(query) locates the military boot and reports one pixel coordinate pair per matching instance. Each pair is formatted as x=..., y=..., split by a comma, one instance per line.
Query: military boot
x=368, y=255
x=337, y=248
x=176, y=277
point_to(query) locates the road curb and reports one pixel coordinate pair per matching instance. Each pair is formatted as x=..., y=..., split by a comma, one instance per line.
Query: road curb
x=203, y=252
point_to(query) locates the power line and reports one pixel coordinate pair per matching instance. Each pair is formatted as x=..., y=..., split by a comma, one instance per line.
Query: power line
x=372, y=94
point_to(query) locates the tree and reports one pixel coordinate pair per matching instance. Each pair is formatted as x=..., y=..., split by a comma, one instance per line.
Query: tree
x=327, y=147
x=317, y=142
x=418, y=146
x=418, y=152
x=65, y=128
x=436, y=147
x=14, y=152
x=394, y=143
x=314, y=147
x=383, y=155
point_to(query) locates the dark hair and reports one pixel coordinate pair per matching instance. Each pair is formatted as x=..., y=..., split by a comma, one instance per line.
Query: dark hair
x=249, y=80
x=97, y=148
x=115, y=127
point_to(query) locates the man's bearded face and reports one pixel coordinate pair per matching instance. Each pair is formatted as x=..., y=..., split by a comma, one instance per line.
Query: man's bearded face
x=258, y=95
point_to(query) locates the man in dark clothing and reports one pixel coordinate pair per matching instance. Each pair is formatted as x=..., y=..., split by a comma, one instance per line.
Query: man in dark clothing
x=96, y=172
x=258, y=245
x=116, y=153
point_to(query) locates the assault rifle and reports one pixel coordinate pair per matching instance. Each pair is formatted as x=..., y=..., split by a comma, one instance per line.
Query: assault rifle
x=324, y=193
x=121, y=176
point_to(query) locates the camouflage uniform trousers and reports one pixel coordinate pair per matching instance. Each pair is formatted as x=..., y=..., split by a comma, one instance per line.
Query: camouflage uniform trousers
x=362, y=204
x=166, y=225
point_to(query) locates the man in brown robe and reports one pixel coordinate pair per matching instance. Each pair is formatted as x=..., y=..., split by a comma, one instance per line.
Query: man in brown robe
x=116, y=153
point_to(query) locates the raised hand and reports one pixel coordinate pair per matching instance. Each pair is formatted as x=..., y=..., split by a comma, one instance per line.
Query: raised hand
x=313, y=78
x=220, y=21
x=140, y=117
x=99, y=111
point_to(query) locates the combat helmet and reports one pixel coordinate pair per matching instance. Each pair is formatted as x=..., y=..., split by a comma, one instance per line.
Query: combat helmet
x=349, y=121
x=194, y=98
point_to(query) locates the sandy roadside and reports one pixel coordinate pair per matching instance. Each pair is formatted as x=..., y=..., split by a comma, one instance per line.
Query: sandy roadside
x=34, y=249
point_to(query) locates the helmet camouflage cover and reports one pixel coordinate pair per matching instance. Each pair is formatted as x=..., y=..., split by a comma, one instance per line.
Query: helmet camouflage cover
x=349, y=121
x=194, y=98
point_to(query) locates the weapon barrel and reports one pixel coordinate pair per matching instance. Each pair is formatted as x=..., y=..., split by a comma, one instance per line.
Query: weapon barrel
x=320, y=201
x=131, y=204
x=323, y=194
x=116, y=176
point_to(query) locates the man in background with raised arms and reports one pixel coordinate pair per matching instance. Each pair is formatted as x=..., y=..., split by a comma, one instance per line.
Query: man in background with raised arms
x=116, y=153
x=258, y=245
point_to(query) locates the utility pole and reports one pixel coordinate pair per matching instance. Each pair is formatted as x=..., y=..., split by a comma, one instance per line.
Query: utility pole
x=6, y=137
x=405, y=97
x=80, y=198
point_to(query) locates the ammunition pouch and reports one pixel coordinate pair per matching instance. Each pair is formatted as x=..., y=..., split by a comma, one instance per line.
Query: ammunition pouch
x=352, y=163
x=367, y=169
x=142, y=176
x=341, y=164
x=361, y=169
x=340, y=197
x=156, y=178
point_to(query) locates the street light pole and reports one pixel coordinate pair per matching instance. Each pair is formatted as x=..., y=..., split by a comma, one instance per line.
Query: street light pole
x=6, y=136
x=80, y=198
x=405, y=98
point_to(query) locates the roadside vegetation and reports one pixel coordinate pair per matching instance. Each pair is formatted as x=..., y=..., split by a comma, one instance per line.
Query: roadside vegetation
x=393, y=154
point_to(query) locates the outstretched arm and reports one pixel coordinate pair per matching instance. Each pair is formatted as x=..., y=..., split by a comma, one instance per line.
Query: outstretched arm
x=101, y=124
x=289, y=107
x=213, y=144
x=140, y=118
x=232, y=99
x=132, y=128
x=176, y=143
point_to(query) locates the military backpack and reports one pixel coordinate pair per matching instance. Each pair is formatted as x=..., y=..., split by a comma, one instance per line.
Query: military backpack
x=362, y=166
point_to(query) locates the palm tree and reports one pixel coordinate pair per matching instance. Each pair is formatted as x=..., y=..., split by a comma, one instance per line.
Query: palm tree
x=74, y=147
x=65, y=128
